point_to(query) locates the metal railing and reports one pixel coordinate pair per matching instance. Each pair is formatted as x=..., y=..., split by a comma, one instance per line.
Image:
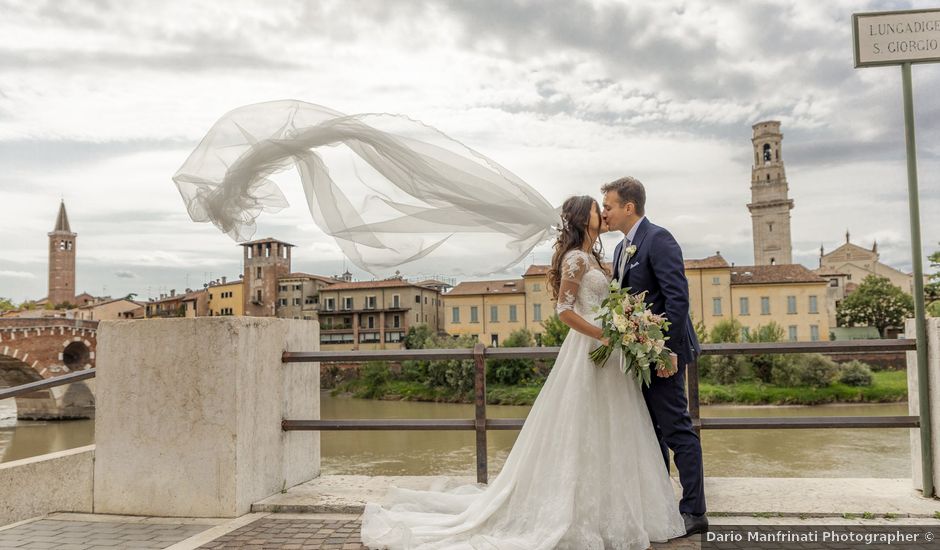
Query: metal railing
x=481, y=424
x=23, y=389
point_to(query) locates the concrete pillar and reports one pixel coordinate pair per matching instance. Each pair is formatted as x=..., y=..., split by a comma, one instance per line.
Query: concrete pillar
x=189, y=414
x=355, y=327
x=381, y=330
x=913, y=399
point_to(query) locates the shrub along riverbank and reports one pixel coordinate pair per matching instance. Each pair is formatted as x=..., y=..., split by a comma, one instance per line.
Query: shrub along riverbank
x=809, y=379
x=887, y=387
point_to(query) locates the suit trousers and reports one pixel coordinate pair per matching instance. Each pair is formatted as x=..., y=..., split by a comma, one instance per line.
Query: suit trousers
x=669, y=411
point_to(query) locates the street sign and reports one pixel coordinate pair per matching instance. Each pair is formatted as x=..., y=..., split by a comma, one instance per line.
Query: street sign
x=902, y=38
x=896, y=37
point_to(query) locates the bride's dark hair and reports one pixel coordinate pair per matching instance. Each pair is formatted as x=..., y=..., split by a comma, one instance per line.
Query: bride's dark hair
x=575, y=216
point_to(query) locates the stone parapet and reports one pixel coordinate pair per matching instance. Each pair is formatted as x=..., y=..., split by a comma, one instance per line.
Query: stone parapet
x=189, y=414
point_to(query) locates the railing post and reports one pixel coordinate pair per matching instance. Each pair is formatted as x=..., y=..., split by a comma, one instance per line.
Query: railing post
x=479, y=386
x=694, y=411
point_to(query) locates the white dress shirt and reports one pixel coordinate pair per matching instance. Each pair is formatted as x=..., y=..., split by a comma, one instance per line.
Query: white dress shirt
x=627, y=241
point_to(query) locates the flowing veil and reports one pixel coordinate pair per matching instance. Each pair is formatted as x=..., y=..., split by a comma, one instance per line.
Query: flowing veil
x=405, y=190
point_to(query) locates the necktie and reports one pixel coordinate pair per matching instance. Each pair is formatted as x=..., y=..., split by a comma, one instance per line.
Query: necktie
x=623, y=258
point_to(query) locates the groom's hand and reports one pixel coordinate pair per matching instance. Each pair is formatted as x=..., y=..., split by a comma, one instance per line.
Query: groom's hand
x=664, y=373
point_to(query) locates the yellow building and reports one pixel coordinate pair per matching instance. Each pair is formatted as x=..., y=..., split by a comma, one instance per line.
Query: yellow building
x=501, y=307
x=488, y=310
x=121, y=308
x=709, y=279
x=790, y=295
x=539, y=299
x=226, y=298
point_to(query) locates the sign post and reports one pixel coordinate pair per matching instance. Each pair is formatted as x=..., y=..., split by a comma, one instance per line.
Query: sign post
x=902, y=38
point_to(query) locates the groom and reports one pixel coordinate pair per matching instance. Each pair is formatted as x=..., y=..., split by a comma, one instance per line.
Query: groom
x=649, y=259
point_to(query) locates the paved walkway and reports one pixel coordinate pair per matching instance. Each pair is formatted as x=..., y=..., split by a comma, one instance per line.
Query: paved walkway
x=262, y=531
x=254, y=531
x=84, y=532
x=325, y=514
x=731, y=496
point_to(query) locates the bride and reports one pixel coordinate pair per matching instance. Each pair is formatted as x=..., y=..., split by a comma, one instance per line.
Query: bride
x=586, y=471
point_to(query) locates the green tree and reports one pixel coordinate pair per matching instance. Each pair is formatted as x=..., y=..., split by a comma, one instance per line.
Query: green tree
x=511, y=372
x=875, y=303
x=932, y=289
x=457, y=375
x=728, y=331
x=725, y=369
x=763, y=365
x=376, y=375
x=934, y=309
x=417, y=336
x=704, y=362
x=555, y=331
x=814, y=370
x=700, y=331
x=6, y=304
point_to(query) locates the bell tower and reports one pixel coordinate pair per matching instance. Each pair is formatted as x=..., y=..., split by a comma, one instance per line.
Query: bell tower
x=62, y=260
x=770, y=204
x=265, y=261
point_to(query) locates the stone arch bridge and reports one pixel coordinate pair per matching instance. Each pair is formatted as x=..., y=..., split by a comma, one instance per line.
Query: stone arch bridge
x=36, y=349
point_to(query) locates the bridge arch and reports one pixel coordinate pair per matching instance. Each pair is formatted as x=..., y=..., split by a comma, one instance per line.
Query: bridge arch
x=36, y=349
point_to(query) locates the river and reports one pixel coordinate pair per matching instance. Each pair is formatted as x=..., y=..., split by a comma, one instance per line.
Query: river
x=861, y=452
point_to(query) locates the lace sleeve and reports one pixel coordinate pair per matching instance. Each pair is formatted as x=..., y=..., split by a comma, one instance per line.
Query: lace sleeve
x=573, y=267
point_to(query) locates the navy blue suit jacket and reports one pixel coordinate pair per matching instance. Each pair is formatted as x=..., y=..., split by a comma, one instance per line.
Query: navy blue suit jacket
x=658, y=269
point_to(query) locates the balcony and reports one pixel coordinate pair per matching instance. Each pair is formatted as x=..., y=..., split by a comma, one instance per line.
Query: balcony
x=371, y=311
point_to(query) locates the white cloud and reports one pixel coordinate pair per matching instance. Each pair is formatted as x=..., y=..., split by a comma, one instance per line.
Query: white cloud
x=17, y=274
x=101, y=102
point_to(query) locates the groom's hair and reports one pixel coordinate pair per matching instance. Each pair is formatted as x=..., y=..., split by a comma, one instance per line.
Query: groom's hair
x=629, y=189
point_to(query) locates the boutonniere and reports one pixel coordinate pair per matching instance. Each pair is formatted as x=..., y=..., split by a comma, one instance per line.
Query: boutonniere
x=631, y=250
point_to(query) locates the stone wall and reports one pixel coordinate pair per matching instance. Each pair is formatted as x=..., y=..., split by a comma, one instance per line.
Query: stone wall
x=189, y=414
x=55, y=482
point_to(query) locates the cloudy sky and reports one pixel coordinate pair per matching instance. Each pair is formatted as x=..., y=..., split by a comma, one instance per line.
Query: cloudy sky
x=101, y=102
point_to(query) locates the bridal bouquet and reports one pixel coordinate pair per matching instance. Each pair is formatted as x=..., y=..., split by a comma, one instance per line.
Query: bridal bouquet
x=639, y=334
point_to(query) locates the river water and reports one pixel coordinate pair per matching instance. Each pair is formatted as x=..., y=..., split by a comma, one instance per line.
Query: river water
x=861, y=452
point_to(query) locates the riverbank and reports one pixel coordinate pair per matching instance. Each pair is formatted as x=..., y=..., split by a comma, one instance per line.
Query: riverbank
x=887, y=387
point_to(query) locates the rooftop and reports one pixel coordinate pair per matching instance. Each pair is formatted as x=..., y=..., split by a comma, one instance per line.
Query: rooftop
x=265, y=240
x=773, y=274
x=716, y=261
x=62, y=220
x=300, y=275
x=505, y=286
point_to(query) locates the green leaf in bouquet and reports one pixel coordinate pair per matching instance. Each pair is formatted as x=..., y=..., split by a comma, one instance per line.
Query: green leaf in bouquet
x=627, y=362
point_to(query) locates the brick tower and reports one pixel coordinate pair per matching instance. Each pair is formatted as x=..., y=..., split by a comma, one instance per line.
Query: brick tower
x=266, y=261
x=770, y=205
x=62, y=260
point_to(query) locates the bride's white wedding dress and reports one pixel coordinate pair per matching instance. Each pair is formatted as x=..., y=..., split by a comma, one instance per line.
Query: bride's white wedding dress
x=585, y=473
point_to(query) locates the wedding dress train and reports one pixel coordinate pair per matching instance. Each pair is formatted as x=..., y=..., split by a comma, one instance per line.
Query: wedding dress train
x=586, y=471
